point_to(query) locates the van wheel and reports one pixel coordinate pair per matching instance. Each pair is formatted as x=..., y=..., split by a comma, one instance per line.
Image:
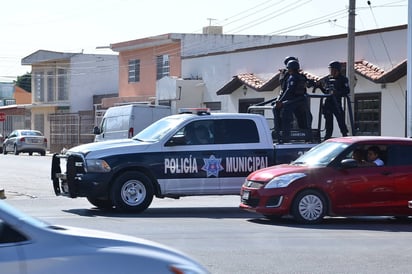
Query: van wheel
x=100, y=203
x=132, y=192
x=309, y=207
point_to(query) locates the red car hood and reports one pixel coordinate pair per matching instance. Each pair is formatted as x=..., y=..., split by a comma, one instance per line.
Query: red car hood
x=266, y=174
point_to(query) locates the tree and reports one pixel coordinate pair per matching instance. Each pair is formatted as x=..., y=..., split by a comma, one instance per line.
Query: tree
x=24, y=81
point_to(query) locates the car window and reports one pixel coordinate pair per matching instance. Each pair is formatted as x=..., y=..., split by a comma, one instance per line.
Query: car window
x=360, y=154
x=235, y=131
x=399, y=155
x=198, y=133
x=322, y=154
x=9, y=234
x=31, y=133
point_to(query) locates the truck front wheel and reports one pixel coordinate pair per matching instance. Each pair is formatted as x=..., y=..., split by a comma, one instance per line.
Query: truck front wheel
x=132, y=192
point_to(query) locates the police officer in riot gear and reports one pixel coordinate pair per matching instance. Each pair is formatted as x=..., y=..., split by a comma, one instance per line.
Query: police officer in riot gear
x=283, y=76
x=337, y=86
x=292, y=97
x=301, y=112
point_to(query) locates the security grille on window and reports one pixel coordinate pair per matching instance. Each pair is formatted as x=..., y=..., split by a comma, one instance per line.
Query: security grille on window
x=368, y=114
x=39, y=87
x=163, y=66
x=62, y=86
x=214, y=105
x=50, y=86
x=134, y=71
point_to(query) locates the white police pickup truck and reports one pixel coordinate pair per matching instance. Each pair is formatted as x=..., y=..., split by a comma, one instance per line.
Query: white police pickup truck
x=185, y=154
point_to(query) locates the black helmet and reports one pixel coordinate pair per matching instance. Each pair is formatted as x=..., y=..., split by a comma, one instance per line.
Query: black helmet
x=293, y=65
x=289, y=58
x=335, y=65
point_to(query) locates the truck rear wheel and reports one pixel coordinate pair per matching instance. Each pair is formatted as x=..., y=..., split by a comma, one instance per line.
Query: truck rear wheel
x=132, y=192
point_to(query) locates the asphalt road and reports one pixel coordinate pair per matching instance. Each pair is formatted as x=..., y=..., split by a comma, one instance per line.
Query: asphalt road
x=219, y=235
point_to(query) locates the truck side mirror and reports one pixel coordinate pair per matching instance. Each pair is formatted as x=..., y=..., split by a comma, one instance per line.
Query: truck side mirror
x=96, y=130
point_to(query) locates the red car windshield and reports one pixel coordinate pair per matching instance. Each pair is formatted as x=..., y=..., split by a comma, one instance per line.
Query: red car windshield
x=322, y=154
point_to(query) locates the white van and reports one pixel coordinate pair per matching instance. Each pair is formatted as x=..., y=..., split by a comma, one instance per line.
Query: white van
x=122, y=122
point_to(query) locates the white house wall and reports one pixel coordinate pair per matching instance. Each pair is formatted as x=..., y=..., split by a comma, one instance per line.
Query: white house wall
x=92, y=75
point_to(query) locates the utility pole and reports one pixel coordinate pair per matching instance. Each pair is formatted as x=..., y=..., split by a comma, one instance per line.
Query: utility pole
x=350, y=69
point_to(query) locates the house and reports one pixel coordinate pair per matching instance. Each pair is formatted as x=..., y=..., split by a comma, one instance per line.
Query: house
x=144, y=62
x=238, y=78
x=63, y=88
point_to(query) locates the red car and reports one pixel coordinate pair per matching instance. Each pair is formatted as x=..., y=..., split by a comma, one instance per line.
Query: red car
x=329, y=181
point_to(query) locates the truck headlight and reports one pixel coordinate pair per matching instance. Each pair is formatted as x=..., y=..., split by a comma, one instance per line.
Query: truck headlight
x=284, y=180
x=95, y=165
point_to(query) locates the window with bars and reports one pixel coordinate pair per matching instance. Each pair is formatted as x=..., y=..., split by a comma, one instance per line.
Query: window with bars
x=368, y=114
x=45, y=87
x=39, y=87
x=134, y=71
x=39, y=122
x=163, y=66
x=62, y=86
x=50, y=86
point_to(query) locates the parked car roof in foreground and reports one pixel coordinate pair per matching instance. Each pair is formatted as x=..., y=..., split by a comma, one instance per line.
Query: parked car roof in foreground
x=348, y=176
x=33, y=246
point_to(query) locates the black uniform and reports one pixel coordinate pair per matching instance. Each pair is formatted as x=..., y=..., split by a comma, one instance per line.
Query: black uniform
x=338, y=87
x=301, y=112
x=288, y=102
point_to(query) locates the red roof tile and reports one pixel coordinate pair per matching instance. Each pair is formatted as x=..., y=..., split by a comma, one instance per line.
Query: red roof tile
x=378, y=75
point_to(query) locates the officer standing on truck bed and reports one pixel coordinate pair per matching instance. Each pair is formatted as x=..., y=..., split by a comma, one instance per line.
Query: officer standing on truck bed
x=291, y=99
x=337, y=86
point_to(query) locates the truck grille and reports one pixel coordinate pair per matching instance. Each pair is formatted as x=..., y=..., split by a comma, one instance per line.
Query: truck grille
x=65, y=173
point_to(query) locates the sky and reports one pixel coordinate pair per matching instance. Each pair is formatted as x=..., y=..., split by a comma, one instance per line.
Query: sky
x=90, y=25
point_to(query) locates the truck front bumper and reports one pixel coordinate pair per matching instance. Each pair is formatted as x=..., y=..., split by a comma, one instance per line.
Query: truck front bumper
x=70, y=180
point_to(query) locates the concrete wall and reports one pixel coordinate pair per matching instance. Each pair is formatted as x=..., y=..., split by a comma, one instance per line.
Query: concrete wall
x=146, y=87
x=91, y=75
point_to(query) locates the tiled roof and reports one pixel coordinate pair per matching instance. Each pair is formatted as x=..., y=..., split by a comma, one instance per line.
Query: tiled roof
x=254, y=82
x=364, y=68
x=378, y=75
x=250, y=80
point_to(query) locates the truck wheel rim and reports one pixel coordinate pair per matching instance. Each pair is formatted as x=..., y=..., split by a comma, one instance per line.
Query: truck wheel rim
x=310, y=207
x=133, y=193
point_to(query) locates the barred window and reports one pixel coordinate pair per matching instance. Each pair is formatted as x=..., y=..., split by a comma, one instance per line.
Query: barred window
x=39, y=122
x=134, y=71
x=50, y=86
x=62, y=86
x=368, y=114
x=163, y=66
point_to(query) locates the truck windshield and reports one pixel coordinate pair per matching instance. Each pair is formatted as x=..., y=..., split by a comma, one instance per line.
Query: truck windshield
x=321, y=155
x=158, y=129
